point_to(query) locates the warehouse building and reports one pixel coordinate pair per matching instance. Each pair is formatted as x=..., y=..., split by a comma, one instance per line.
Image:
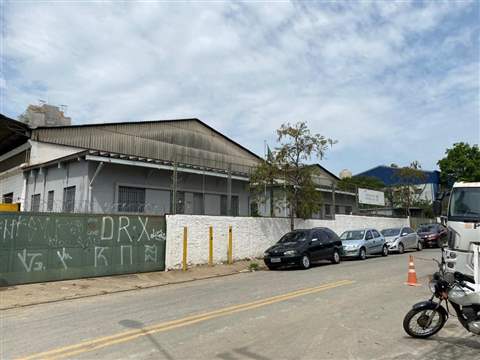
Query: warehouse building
x=167, y=166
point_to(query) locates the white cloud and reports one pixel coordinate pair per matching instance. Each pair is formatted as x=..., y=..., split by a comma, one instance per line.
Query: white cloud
x=365, y=73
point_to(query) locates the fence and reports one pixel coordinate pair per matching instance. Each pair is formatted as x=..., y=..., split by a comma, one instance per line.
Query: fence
x=37, y=247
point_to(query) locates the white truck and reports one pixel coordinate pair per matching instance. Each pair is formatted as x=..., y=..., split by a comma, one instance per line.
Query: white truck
x=463, y=222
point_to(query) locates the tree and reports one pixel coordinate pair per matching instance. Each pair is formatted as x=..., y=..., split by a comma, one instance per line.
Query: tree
x=367, y=182
x=461, y=163
x=410, y=185
x=287, y=168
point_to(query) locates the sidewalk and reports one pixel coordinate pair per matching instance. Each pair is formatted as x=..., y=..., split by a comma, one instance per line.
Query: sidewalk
x=32, y=294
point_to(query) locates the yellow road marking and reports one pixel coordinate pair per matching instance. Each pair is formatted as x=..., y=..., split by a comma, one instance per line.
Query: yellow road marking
x=94, y=344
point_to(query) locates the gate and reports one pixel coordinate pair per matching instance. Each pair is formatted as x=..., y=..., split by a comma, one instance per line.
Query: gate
x=38, y=247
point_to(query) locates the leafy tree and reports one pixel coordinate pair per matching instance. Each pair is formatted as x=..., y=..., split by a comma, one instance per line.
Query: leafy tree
x=461, y=163
x=367, y=182
x=410, y=185
x=287, y=167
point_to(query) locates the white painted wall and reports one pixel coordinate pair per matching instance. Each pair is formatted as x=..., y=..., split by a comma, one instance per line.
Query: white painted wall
x=43, y=152
x=251, y=235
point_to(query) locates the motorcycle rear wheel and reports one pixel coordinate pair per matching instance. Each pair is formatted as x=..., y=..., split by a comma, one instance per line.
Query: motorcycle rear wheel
x=423, y=323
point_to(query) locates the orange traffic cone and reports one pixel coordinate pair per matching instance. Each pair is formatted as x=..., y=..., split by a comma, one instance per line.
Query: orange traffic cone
x=412, y=275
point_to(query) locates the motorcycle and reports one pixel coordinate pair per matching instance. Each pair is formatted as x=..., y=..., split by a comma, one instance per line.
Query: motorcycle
x=426, y=318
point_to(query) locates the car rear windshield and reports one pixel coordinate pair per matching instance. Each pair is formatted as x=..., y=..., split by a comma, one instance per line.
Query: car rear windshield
x=353, y=235
x=427, y=228
x=390, y=232
x=294, y=236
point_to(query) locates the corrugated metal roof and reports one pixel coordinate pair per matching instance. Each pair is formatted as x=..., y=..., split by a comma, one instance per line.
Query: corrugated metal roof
x=186, y=141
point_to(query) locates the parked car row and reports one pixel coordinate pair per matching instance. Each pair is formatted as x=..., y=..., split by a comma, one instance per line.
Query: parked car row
x=303, y=247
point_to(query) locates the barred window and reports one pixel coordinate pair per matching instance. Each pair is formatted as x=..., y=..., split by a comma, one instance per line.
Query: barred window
x=69, y=199
x=131, y=199
x=50, y=200
x=35, y=204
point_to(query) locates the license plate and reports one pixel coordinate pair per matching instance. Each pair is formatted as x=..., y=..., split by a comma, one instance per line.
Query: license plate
x=275, y=260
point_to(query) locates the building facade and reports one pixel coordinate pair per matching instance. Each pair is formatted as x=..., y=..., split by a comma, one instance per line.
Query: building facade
x=160, y=167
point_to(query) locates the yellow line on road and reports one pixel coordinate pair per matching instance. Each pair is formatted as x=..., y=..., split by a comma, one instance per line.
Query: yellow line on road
x=101, y=342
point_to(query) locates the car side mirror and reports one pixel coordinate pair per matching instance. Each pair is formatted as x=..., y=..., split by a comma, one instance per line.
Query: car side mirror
x=314, y=239
x=404, y=234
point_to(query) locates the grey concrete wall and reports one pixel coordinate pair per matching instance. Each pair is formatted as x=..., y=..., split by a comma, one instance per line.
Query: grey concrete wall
x=158, y=186
x=56, y=179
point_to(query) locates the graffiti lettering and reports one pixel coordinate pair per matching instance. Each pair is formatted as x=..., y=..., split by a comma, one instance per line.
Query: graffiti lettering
x=123, y=227
x=31, y=264
x=129, y=248
x=151, y=253
x=104, y=224
x=144, y=228
x=63, y=256
x=99, y=256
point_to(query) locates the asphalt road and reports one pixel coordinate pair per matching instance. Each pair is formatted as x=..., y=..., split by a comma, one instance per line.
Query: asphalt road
x=349, y=311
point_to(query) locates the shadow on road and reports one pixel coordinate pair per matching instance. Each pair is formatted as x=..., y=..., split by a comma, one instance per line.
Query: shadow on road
x=133, y=324
x=448, y=348
x=244, y=353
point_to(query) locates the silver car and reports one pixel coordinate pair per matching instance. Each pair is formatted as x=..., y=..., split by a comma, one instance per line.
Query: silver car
x=363, y=242
x=401, y=239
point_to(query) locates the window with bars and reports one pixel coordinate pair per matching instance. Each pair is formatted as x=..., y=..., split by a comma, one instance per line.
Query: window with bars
x=68, y=199
x=50, y=200
x=35, y=204
x=131, y=199
x=328, y=210
x=8, y=198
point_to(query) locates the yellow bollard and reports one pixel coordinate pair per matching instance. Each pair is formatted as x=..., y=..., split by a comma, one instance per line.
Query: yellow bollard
x=210, y=246
x=184, y=262
x=230, y=250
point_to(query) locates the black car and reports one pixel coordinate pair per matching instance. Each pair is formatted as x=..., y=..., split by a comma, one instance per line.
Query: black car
x=433, y=234
x=304, y=246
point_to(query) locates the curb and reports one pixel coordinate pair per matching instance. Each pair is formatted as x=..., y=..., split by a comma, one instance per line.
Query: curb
x=103, y=293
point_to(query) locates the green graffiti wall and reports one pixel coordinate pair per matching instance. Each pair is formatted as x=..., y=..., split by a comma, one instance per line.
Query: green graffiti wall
x=37, y=247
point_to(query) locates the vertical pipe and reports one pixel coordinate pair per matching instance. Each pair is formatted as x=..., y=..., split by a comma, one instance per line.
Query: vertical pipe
x=333, y=201
x=230, y=243
x=174, y=189
x=210, y=246
x=184, y=260
x=229, y=193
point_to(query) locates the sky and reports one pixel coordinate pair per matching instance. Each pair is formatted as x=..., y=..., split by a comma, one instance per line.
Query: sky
x=392, y=82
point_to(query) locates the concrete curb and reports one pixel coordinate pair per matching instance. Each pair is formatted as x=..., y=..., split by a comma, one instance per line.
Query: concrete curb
x=102, y=293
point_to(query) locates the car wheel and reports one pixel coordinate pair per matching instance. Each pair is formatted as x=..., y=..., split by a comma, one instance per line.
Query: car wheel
x=305, y=264
x=362, y=255
x=401, y=248
x=385, y=251
x=419, y=246
x=336, y=257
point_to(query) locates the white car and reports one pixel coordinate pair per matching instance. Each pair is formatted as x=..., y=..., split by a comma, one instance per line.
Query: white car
x=401, y=239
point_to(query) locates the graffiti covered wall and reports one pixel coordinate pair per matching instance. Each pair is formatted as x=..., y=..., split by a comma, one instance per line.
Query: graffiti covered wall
x=36, y=247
